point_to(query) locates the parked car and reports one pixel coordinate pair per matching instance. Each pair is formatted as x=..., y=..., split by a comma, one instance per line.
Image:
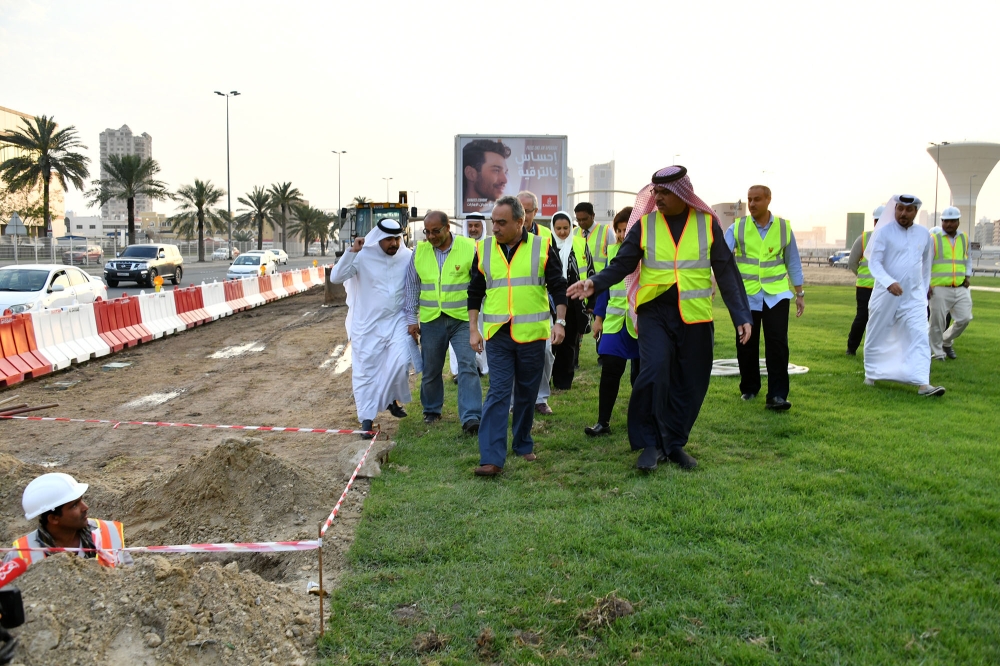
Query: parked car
x=40, y=286
x=141, y=264
x=92, y=254
x=839, y=258
x=222, y=253
x=248, y=264
x=280, y=255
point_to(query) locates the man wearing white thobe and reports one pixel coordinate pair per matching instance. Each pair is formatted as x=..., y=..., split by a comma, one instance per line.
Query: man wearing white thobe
x=899, y=257
x=374, y=272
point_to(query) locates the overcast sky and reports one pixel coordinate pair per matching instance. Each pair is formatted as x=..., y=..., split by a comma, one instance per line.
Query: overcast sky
x=831, y=104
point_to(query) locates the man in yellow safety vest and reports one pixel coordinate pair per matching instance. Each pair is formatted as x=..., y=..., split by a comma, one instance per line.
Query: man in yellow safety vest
x=514, y=275
x=57, y=501
x=863, y=287
x=671, y=249
x=436, y=300
x=769, y=264
x=950, y=275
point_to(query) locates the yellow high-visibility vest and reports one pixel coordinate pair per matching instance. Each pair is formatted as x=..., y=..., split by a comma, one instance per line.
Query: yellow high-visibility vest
x=107, y=534
x=616, y=314
x=444, y=290
x=543, y=231
x=515, y=291
x=597, y=243
x=865, y=278
x=762, y=260
x=686, y=264
x=950, y=256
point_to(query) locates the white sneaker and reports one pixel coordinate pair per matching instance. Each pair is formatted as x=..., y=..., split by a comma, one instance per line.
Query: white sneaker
x=931, y=390
x=869, y=382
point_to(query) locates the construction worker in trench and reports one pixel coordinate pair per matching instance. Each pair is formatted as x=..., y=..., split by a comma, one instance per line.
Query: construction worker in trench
x=57, y=501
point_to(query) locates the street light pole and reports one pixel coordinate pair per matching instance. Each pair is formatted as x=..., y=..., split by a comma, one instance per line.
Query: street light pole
x=387, y=188
x=229, y=186
x=339, y=153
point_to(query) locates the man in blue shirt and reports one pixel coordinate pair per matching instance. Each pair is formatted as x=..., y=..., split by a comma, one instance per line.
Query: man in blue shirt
x=769, y=264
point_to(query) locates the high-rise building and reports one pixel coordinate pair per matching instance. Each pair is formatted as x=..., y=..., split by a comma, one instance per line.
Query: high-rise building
x=570, y=187
x=984, y=232
x=27, y=203
x=602, y=177
x=855, y=227
x=122, y=142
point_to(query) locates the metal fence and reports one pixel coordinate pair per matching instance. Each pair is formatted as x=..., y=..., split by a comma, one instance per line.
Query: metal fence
x=53, y=251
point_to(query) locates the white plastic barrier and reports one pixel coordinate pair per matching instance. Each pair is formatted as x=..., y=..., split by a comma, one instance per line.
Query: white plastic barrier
x=214, y=297
x=251, y=292
x=73, y=340
x=298, y=282
x=48, y=336
x=277, y=287
x=158, y=314
x=83, y=323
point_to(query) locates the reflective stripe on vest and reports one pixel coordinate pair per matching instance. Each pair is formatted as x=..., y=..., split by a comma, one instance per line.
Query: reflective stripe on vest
x=948, y=269
x=516, y=292
x=762, y=260
x=686, y=264
x=107, y=534
x=865, y=278
x=597, y=243
x=615, y=315
x=444, y=289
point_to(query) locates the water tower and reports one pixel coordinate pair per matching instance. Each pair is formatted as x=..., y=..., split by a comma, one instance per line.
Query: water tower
x=966, y=166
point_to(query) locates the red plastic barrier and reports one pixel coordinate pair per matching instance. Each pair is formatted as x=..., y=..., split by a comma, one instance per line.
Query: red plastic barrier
x=111, y=325
x=131, y=318
x=264, y=284
x=191, y=306
x=234, y=295
x=288, y=283
x=19, y=355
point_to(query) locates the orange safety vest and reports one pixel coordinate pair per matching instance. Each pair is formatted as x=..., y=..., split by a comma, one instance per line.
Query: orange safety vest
x=109, y=538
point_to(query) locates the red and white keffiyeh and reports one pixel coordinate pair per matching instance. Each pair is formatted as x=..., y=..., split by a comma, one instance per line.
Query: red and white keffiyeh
x=645, y=203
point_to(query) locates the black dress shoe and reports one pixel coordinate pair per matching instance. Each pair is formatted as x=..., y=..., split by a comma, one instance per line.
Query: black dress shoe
x=648, y=459
x=950, y=352
x=431, y=418
x=598, y=430
x=778, y=404
x=366, y=425
x=681, y=457
x=748, y=396
x=851, y=352
x=471, y=427
x=396, y=410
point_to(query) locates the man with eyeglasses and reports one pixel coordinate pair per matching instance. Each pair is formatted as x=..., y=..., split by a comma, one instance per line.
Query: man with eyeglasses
x=530, y=203
x=437, y=284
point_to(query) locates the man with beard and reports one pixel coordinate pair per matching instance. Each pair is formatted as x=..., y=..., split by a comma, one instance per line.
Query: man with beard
x=374, y=273
x=484, y=171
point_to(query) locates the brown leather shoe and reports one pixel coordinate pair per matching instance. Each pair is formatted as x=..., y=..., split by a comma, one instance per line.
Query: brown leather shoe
x=530, y=457
x=543, y=408
x=488, y=470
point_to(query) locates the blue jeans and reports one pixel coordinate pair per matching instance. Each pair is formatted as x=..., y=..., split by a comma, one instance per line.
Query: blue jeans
x=512, y=366
x=434, y=339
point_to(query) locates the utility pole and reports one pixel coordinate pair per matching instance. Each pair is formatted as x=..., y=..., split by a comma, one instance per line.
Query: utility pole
x=229, y=187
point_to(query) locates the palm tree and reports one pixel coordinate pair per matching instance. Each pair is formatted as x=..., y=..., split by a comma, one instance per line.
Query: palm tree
x=361, y=201
x=129, y=176
x=260, y=206
x=46, y=152
x=311, y=223
x=196, y=212
x=283, y=195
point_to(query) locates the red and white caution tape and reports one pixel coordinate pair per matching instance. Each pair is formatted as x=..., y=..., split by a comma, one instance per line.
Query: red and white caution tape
x=333, y=514
x=167, y=424
x=255, y=547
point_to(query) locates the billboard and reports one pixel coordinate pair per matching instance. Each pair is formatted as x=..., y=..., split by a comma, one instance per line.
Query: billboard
x=489, y=166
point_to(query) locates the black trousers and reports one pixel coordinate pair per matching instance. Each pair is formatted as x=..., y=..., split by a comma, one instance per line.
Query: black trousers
x=612, y=369
x=564, y=365
x=774, y=321
x=862, y=296
x=673, y=379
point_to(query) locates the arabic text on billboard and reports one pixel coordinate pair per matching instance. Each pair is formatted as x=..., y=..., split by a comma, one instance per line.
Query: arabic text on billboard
x=493, y=166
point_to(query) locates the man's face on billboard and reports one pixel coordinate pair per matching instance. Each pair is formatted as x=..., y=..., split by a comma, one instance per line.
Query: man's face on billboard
x=489, y=182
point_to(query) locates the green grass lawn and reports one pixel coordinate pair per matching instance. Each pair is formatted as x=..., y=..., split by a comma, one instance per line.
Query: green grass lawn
x=861, y=527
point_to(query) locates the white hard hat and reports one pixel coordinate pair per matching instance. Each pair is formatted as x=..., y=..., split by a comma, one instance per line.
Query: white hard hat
x=951, y=213
x=878, y=212
x=50, y=491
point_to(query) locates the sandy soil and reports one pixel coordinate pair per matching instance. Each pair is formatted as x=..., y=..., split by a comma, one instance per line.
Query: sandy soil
x=183, y=485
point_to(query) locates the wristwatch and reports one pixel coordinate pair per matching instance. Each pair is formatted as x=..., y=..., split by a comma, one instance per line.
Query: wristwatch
x=800, y=294
x=561, y=322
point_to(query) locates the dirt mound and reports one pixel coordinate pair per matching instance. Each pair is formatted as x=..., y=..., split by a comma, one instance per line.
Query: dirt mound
x=160, y=612
x=235, y=492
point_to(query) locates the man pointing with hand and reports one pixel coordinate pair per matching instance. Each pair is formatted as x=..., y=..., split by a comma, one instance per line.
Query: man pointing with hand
x=672, y=246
